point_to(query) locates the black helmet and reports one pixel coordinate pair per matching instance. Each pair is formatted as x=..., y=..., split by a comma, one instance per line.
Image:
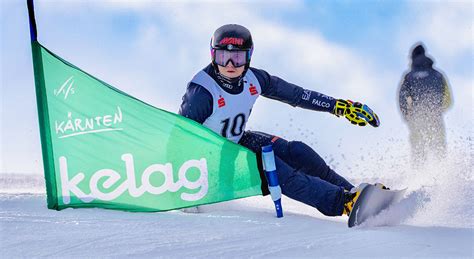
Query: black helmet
x=418, y=50
x=232, y=37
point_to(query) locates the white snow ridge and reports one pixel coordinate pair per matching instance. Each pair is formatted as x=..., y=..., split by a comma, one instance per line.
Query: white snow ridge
x=242, y=228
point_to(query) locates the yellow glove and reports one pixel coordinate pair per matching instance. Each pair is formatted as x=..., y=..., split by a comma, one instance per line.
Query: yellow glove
x=357, y=113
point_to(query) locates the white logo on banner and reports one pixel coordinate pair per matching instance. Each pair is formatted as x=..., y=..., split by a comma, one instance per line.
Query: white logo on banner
x=66, y=88
x=80, y=126
x=111, y=177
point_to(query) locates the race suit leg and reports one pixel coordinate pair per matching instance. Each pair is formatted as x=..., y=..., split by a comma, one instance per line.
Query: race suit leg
x=313, y=191
x=297, y=155
x=303, y=175
x=303, y=157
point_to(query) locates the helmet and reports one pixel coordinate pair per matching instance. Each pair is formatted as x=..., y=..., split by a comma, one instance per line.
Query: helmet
x=418, y=50
x=232, y=37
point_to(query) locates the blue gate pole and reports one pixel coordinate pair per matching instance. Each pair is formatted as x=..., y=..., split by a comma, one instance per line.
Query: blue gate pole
x=268, y=159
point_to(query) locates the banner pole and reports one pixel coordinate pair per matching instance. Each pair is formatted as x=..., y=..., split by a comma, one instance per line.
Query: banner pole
x=43, y=116
x=31, y=16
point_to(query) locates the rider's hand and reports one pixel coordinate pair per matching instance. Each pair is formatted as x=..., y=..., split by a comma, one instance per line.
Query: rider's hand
x=357, y=113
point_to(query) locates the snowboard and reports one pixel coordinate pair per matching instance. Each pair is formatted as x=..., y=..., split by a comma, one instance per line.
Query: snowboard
x=371, y=202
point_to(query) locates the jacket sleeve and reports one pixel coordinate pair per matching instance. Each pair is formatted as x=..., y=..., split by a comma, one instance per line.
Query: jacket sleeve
x=197, y=103
x=404, y=96
x=278, y=89
x=447, y=97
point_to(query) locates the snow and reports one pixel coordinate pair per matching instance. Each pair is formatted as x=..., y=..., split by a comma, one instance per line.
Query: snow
x=435, y=219
x=226, y=230
x=241, y=228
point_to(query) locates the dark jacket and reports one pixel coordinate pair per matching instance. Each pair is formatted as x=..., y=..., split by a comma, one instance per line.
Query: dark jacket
x=424, y=91
x=197, y=101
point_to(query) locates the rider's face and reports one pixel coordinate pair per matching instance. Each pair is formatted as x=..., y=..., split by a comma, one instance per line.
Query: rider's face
x=230, y=71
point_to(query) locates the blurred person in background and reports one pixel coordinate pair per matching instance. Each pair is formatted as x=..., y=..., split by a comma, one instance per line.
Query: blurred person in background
x=424, y=97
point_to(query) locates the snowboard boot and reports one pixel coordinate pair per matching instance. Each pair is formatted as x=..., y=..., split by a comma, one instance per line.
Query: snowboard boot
x=350, y=197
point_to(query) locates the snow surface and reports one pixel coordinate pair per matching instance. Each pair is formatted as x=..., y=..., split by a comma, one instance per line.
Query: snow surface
x=229, y=230
x=435, y=219
x=241, y=228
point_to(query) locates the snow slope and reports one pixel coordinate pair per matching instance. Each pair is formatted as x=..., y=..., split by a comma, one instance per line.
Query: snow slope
x=234, y=229
x=242, y=228
x=435, y=219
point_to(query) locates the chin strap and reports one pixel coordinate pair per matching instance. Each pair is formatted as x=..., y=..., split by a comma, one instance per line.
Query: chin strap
x=228, y=80
x=229, y=83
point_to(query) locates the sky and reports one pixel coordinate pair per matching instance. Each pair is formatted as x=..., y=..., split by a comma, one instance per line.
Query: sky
x=151, y=49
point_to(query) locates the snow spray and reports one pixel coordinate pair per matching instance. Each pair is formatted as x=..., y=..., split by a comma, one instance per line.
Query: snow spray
x=269, y=167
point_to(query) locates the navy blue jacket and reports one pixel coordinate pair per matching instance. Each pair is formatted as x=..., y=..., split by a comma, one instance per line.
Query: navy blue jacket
x=197, y=101
x=423, y=91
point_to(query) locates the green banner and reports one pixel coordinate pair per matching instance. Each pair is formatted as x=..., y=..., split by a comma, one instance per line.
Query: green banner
x=104, y=148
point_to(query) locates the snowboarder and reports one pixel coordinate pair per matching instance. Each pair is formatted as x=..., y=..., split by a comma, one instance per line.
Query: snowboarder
x=423, y=98
x=221, y=97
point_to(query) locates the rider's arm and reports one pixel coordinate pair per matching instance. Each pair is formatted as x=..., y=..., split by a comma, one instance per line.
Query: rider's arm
x=197, y=103
x=447, y=97
x=404, y=97
x=278, y=89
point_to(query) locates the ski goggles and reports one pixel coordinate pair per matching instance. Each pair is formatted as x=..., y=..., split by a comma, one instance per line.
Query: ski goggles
x=238, y=57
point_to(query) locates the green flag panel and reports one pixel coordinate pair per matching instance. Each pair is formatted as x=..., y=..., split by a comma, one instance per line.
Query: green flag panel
x=104, y=148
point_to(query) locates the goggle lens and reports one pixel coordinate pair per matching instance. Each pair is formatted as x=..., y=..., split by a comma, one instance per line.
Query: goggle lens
x=238, y=58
